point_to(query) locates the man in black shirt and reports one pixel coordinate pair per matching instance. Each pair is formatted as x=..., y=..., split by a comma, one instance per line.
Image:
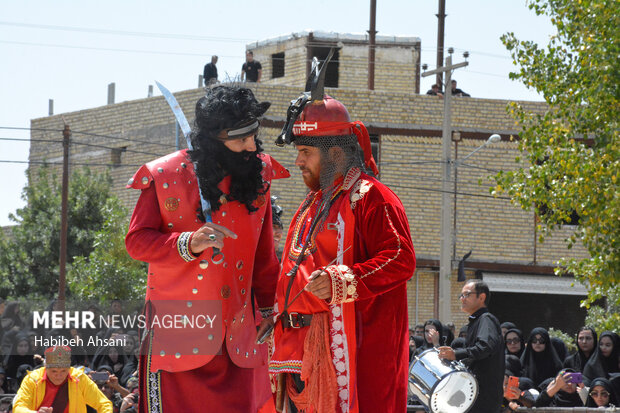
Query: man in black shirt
x=458, y=92
x=210, y=72
x=484, y=351
x=251, y=70
x=435, y=90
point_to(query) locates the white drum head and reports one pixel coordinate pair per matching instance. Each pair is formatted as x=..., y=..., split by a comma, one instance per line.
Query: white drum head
x=455, y=393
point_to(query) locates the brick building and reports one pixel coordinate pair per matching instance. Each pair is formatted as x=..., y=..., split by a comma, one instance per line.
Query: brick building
x=406, y=129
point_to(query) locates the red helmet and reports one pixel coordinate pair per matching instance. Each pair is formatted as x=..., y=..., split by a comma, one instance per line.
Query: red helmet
x=317, y=114
x=323, y=118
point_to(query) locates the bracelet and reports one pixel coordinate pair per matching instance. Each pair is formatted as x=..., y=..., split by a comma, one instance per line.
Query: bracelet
x=183, y=246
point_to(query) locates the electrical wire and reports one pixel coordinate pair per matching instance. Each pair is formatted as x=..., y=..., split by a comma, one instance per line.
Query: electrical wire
x=70, y=163
x=125, y=33
x=98, y=135
x=73, y=142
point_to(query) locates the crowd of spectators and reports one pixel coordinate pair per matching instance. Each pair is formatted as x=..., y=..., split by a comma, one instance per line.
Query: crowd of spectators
x=112, y=367
x=546, y=374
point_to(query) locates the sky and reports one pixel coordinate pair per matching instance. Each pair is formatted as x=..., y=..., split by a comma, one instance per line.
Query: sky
x=70, y=50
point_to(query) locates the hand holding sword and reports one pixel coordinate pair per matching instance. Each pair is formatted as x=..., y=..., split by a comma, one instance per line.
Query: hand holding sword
x=218, y=256
x=317, y=284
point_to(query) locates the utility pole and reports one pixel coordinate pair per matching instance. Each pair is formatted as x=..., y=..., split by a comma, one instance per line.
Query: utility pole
x=66, y=134
x=371, y=45
x=441, y=20
x=445, y=260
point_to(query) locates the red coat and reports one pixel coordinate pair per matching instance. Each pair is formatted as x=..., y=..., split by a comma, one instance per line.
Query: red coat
x=368, y=315
x=165, y=215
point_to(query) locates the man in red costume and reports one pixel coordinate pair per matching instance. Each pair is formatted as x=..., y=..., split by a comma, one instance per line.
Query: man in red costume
x=209, y=272
x=342, y=345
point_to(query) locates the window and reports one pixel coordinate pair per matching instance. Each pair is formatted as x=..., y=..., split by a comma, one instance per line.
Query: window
x=277, y=65
x=115, y=156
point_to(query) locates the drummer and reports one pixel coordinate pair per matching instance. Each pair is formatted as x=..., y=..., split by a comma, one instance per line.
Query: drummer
x=484, y=348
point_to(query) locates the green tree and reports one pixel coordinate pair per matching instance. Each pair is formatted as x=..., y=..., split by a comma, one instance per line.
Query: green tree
x=570, y=152
x=108, y=272
x=29, y=260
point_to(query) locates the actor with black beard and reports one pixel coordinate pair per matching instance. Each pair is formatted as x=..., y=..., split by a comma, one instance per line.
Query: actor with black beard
x=216, y=154
x=219, y=366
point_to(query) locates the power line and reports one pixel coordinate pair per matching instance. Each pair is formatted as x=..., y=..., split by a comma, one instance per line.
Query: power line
x=73, y=142
x=125, y=32
x=391, y=186
x=70, y=163
x=90, y=134
x=105, y=49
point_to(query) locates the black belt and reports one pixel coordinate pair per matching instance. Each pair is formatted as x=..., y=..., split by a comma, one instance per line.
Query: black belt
x=296, y=320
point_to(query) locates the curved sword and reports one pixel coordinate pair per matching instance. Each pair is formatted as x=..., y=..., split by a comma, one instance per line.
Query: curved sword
x=218, y=256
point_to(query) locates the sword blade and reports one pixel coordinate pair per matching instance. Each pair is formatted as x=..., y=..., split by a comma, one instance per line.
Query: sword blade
x=186, y=129
x=178, y=112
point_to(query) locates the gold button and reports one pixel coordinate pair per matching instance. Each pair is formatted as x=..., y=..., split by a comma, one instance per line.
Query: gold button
x=170, y=225
x=241, y=278
x=200, y=277
x=189, y=303
x=178, y=355
x=225, y=291
x=210, y=336
x=183, y=165
x=195, y=291
x=145, y=180
x=165, y=185
x=239, y=264
x=195, y=350
x=203, y=264
x=160, y=170
x=243, y=291
x=130, y=182
x=162, y=353
x=247, y=354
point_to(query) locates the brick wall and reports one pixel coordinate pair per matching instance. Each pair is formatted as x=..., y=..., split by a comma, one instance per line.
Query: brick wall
x=396, y=64
x=493, y=228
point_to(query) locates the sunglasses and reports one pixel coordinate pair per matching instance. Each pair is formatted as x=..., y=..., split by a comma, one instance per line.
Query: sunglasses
x=601, y=394
x=512, y=341
x=538, y=341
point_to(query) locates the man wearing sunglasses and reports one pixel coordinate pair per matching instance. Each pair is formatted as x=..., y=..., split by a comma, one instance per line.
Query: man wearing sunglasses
x=484, y=350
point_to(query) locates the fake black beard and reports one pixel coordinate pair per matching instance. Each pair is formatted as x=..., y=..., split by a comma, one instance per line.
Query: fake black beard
x=213, y=161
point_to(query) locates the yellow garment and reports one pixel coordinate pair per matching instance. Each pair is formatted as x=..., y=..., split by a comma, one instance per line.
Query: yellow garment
x=82, y=391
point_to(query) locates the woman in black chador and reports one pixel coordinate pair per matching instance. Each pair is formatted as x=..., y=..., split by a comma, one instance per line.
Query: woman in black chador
x=539, y=360
x=604, y=361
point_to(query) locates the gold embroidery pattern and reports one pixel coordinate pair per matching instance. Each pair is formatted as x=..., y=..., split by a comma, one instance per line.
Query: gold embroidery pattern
x=398, y=248
x=344, y=284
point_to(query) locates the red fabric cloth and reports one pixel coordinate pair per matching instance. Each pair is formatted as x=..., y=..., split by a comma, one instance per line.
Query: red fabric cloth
x=164, y=214
x=50, y=394
x=383, y=259
x=219, y=387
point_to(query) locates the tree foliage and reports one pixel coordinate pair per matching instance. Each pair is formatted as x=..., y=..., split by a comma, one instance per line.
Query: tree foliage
x=108, y=272
x=570, y=152
x=29, y=259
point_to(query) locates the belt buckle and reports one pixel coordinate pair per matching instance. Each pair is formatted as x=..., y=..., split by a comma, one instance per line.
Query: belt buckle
x=294, y=322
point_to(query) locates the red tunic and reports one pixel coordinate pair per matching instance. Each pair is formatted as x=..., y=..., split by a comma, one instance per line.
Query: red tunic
x=180, y=284
x=368, y=312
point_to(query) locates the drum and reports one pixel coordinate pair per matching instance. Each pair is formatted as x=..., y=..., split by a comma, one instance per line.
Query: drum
x=442, y=386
